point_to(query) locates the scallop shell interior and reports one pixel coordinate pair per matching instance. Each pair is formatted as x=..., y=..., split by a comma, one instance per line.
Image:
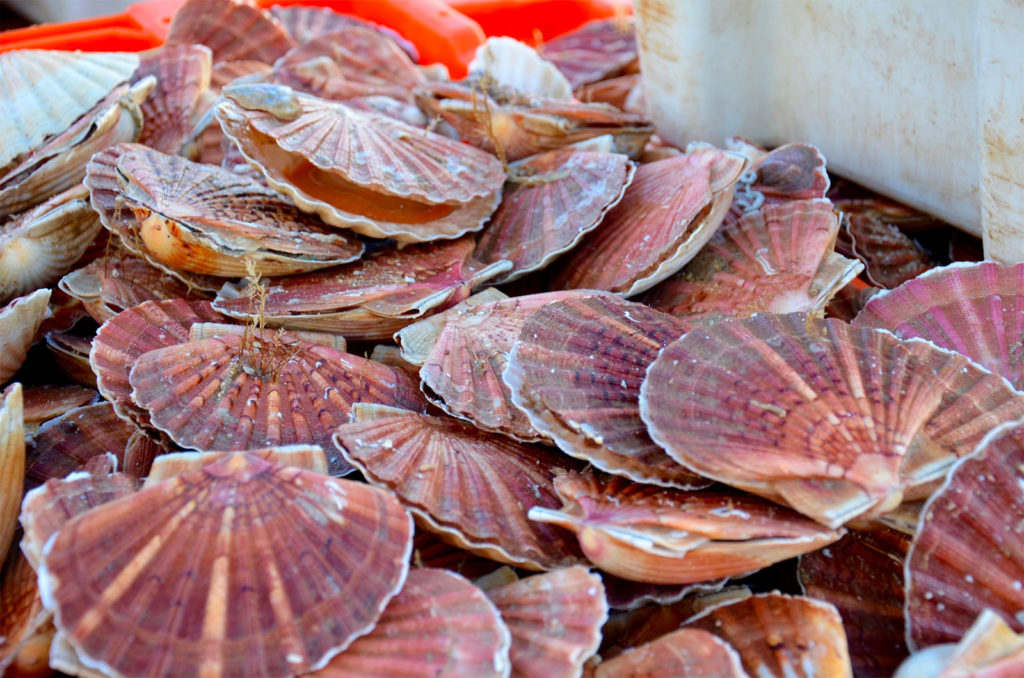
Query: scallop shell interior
x=19, y=322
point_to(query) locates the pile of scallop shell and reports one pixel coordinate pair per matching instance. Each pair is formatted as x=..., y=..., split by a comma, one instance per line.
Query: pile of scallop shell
x=315, y=360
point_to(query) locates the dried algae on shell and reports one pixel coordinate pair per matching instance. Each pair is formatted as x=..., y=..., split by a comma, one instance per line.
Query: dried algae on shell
x=304, y=563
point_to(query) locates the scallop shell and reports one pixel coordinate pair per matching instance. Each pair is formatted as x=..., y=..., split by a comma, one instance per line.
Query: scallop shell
x=791, y=172
x=238, y=393
x=45, y=91
x=307, y=23
x=581, y=389
x=71, y=354
x=771, y=260
x=307, y=457
x=555, y=619
x=976, y=309
x=686, y=652
x=624, y=594
x=668, y=536
x=12, y=464
x=615, y=91
x=416, y=341
x=42, y=403
x=989, y=648
x=462, y=372
x=60, y=163
x=841, y=420
x=862, y=575
x=668, y=213
x=226, y=72
x=243, y=525
x=23, y=622
x=550, y=203
x=49, y=507
x=871, y=232
x=208, y=330
x=781, y=636
x=434, y=463
x=123, y=339
x=371, y=298
x=39, y=246
x=967, y=554
x=206, y=220
x=183, y=77
x=595, y=51
x=439, y=624
x=19, y=321
x=506, y=62
x=234, y=30
x=63, y=445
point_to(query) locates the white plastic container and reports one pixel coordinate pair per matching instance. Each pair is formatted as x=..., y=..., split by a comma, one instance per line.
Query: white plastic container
x=919, y=100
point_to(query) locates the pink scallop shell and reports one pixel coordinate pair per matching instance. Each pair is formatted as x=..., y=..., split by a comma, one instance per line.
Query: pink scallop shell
x=551, y=202
x=307, y=23
x=555, y=619
x=595, y=51
x=434, y=464
x=234, y=30
x=279, y=568
x=668, y=213
x=685, y=652
x=183, y=77
x=582, y=388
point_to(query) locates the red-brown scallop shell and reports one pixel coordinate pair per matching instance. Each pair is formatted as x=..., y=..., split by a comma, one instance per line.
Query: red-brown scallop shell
x=182, y=77
x=307, y=457
x=473, y=488
x=49, y=401
x=667, y=536
x=24, y=624
x=772, y=259
x=781, y=636
x=555, y=619
x=124, y=338
x=582, y=388
x=462, y=369
x=279, y=568
x=234, y=30
x=371, y=298
x=550, y=202
x=976, y=309
x=862, y=575
x=967, y=554
x=595, y=51
x=238, y=393
x=668, y=213
x=685, y=652
x=438, y=625
x=19, y=321
x=835, y=421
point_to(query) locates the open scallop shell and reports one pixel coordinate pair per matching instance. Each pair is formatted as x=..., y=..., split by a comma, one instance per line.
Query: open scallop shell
x=871, y=231
x=975, y=309
x=70, y=351
x=45, y=91
x=67, y=443
x=230, y=537
x=39, y=246
x=438, y=625
x=862, y=575
x=686, y=652
x=307, y=457
x=833, y=420
x=667, y=536
x=989, y=648
x=668, y=213
x=48, y=507
x=555, y=619
x=791, y=172
x=234, y=30
x=506, y=62
x=625, y=594
x=551, y=201
x=49, y=401
x=61, y=162
x=24, y=624
x=12, y=464
x=473, y=488
x=462, y=373
x=19, y=322
x=238, y=393
x=307, y=23
x=124, y=338
x=182, y=78
x=595, y=51
x=967, y=554
x=772, y=259
x=207, y=220
x=781, y=636
x=371, y=298
x=582, y=389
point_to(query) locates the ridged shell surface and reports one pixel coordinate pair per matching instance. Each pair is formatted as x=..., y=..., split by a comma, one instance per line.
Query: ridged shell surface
x=306, y=23
x=278, y=568
x=182, y=77
x=594, y=51
x=234, y=30
x=19, y=322
x=12, y=464
x=23, y=621
x=686, y=652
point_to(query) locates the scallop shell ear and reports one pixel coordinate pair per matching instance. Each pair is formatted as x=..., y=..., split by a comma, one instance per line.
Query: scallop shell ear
x=45, y=91
x=212, y=538
x=686, y=652
x=595, y=51
x=19, y=322
x=509, y=63
x=234, y=30
x=12, y=465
